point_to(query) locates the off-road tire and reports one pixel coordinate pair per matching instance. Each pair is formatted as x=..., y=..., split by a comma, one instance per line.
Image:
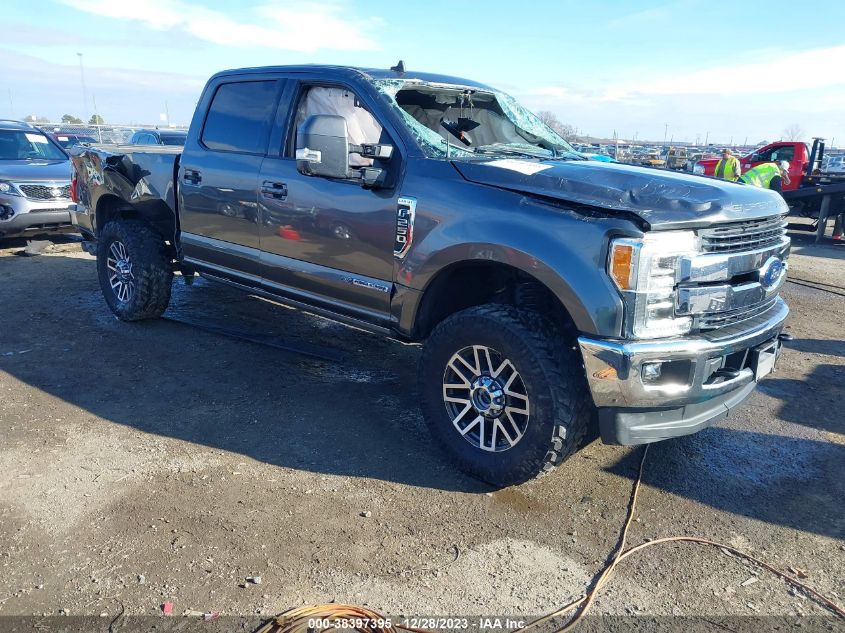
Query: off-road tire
x=553, y=376
x=151, y=269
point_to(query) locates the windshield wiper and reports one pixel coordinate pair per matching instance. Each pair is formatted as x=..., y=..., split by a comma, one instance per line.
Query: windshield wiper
x=542, y=154
x=501, y=148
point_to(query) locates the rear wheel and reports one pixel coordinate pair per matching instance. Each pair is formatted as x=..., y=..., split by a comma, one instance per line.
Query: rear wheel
x=504, y=393
x=134, y=270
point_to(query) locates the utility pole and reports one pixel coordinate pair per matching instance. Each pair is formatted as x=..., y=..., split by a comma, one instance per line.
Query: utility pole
x=84, y=95
x=706, y=138
x=665, y=132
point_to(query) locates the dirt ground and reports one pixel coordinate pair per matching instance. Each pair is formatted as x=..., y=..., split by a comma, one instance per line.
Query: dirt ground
x=167, y=462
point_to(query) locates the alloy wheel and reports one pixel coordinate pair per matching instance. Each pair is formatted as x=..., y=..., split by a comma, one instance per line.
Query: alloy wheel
x=121, y=278
x=486, y=398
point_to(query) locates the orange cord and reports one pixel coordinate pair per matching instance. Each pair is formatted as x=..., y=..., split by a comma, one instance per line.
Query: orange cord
x=298, y=620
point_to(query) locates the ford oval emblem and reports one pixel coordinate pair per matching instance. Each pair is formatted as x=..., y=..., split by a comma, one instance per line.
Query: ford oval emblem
x=771, y=272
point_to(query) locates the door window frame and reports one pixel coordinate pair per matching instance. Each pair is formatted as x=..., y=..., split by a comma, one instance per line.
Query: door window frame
x=285, y=137
x=242, y=79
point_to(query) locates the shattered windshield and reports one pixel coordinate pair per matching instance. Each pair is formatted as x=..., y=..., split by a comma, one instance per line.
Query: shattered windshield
x=464, y=121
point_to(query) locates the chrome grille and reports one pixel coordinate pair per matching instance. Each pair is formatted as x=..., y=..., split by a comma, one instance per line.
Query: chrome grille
x=46, y=192
x=743, y=236
x=713, y=320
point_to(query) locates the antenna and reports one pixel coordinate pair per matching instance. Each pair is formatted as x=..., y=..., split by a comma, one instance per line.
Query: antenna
x=399, y=68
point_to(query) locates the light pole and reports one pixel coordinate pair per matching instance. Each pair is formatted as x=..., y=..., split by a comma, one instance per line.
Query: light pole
x=665, y=132
x=84, y=95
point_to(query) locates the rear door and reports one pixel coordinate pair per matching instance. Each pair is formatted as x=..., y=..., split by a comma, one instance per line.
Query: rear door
x=218, y=174
x=329, y=240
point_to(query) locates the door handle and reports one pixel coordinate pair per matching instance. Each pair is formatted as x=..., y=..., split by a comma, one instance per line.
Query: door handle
x=276, y=190
x=192, y=176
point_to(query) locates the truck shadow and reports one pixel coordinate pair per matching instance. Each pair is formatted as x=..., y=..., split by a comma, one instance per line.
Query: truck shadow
x=358, y=417
x=781, y=480
x=818, y=346
x=815, y=402
x=804, y=244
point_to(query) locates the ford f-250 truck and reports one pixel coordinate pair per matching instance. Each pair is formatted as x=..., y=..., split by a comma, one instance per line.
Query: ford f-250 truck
x=548, y=291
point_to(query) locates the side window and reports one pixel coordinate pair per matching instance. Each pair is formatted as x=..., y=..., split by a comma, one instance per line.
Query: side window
x=765, y=156
x=360, y=123
x=783, y=153
x=240, y=116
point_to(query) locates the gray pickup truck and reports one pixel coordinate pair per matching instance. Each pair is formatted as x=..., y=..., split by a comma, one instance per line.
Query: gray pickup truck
x=549, y=292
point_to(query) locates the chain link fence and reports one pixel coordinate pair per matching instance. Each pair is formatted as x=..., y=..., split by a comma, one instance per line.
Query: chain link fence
x=100, y=133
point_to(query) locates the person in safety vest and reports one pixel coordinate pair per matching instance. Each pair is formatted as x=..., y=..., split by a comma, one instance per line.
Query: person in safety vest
x=768, y=176
x=728, y=168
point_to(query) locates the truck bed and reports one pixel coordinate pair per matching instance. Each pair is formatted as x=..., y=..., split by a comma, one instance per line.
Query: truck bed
x=141, y=176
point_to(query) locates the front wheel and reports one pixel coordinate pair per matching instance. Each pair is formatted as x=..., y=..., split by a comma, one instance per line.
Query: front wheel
x=503, y=393
x=134, y=270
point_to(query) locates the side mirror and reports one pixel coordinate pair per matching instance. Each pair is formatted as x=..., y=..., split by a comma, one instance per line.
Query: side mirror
x=322, y=146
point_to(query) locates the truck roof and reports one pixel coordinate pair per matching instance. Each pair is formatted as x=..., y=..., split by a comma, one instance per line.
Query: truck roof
x=351, y=72
x=11, y=124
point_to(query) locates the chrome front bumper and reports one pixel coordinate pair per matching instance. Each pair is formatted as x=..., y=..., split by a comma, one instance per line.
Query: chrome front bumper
x=632, y=411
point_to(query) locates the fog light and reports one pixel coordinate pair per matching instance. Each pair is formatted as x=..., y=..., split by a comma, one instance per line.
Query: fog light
x=651, y=371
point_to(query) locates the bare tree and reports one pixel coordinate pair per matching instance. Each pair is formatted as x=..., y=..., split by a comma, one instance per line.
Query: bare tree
x=564, y=129
x=793, y=132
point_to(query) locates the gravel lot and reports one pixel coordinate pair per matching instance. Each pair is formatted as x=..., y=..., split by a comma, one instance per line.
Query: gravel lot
x=166, y=462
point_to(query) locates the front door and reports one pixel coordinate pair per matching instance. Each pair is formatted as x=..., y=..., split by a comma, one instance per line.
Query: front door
x=324, y=237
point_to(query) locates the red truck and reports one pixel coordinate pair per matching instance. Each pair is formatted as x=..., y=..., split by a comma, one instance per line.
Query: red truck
x=796, y=152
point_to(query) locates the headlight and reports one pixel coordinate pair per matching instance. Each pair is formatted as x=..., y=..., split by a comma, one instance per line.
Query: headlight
x=645, y=272
x=698, y=169
x=8, y=189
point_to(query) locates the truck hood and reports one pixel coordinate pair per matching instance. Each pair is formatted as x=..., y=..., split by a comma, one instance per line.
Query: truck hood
x=664, y=200
x=35, y=170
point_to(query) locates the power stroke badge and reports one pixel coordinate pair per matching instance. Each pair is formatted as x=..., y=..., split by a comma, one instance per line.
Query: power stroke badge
x=405, y=214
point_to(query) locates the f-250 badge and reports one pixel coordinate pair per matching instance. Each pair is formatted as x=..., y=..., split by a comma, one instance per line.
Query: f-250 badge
x=405, y=213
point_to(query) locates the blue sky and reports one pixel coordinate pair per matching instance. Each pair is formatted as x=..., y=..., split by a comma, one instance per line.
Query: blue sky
x=749, y=70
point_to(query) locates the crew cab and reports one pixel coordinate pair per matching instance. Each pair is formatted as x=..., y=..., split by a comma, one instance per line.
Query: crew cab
x=547, y=291
x=797, y=153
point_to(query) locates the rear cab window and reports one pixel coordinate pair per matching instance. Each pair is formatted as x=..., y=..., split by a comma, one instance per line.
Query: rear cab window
x=240, y=117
